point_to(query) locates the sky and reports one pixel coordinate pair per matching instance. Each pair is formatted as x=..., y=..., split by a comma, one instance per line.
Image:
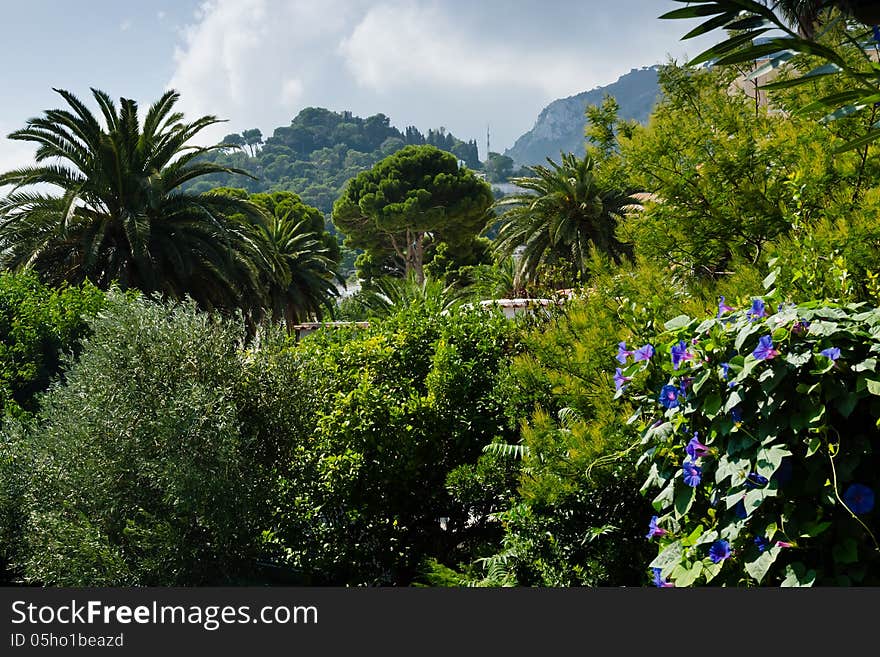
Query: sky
x=465, y=65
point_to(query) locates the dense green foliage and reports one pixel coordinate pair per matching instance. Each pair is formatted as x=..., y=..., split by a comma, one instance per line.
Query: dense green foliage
x=320, y=151
x=721, y=174
x=38, y=325
x=393, y=473
x=174, y=454
x=579, y=518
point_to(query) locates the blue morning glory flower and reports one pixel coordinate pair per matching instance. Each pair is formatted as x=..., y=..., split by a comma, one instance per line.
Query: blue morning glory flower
x=695, y=449
x=659, y=582
x=653, y=529
x=622, y=353
x=620, y=379
x=643, y=353
x=859, y=498
x=765, y=350
x=725, y=370
x=669, y=396
x=740, y=510
x=735, y=415
x=680, y=353
x=719, y=551
x=723, y=307
x=832, y=352
x=762, y=543
x=691, y=473
x=754, y=480
x=757, y=310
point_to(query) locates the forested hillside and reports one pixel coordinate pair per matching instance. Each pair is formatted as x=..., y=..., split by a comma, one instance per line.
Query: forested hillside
x=319, y=152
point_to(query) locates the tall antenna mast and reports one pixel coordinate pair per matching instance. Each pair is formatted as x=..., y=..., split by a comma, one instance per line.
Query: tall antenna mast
x=488, y=150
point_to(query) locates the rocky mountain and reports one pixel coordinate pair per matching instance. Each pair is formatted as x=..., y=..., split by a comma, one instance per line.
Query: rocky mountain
x=560, y=126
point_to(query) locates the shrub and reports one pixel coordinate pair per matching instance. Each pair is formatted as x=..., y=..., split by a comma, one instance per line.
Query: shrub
x=138, y=468
x=763, y=446
x=37, y=326
x=400, y=408
x=578, y=518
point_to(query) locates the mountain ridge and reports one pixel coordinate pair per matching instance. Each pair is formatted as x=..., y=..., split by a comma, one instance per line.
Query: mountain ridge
x=560, y=125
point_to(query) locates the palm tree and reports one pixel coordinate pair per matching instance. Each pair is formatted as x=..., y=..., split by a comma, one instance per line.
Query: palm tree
x=121, y=215
x=805, y=14
x=300, y=279
x=390, y=294
x=563, y=213
x=801, y=14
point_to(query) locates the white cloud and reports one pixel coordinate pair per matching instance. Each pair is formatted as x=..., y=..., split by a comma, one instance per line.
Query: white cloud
x=400, y=45
x=254, y=61
x=125, y=25
x=291, y=93
x=160, y=15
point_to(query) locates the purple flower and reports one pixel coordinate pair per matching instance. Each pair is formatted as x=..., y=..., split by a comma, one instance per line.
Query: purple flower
x=740, y=510
x=783, y=544
x=762, y=543
x=757, y=310
x=669, y=396
x=754, y=480
x=725, y=370
x=680, y=353
x=800, y=327
x=719, y=551
x=653, y=529
x=765, y=350
x=620, y=379
x=723, y=307
x=622, y=353
x=859, y=498
x=643, y=353
x=659, y=582
x=691, y=473
x=832, y=352
x=695, y=449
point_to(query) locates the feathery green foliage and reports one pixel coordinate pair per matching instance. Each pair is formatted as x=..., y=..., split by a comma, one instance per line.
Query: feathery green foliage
x=792, y=25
